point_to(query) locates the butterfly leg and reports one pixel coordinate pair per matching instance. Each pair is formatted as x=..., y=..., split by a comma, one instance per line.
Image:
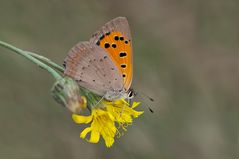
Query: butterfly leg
x=122, y=110
x=130, y=101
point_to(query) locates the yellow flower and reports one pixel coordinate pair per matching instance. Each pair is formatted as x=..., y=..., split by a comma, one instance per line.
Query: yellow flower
x=103, y=119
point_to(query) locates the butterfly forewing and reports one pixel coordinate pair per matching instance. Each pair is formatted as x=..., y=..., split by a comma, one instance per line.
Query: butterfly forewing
x=115, y=38
x=92, y=68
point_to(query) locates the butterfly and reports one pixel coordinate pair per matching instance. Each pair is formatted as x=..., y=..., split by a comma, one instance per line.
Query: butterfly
x=104, y=64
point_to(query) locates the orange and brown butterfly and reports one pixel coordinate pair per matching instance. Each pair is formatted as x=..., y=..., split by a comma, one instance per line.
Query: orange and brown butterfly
x=104, y=64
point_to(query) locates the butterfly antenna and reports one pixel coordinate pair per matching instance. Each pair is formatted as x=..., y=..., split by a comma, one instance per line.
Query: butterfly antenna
x=148, y=97
x=142, y=95
x=149, y=108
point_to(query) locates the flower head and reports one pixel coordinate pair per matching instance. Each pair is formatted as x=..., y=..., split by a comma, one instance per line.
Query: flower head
x=103, y=120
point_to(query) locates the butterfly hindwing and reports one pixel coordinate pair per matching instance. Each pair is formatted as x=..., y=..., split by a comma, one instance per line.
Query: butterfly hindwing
x=115, y=38
x=92, y=68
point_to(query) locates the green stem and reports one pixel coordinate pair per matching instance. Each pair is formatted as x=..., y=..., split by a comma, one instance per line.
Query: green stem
x=29, y=57
x=46, y=61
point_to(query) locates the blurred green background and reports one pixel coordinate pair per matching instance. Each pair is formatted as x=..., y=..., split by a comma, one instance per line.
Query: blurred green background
x=185, y=56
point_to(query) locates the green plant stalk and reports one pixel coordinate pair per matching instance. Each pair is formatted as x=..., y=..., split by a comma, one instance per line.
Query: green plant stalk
x=46, y=61
x=25, y=54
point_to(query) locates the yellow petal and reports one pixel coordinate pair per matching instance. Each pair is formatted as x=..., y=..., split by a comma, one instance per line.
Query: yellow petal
x=109, y=141
x=98, y=112
x=120, y=103
x=85, y=132
x=124, y=101
x=140, y=112
x=137, y=113
x=94, y=137
x=108, y=135
x=135, y=104
x=125, y=118
x=81, y=119
x=112, y=117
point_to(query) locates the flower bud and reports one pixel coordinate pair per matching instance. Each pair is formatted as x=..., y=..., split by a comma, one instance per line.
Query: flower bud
x=67, y=93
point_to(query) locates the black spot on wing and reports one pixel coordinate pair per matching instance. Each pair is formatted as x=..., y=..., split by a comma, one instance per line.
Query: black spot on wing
x=64, y=64
x=98, y=43
x=121, y=38
x=107, y=45
x=102, y=37
x=123, y=65
x=114, y=45
x=122, y=54
x=116, y=38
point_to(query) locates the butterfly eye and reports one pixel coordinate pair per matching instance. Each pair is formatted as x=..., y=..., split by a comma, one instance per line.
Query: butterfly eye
x=130, y=95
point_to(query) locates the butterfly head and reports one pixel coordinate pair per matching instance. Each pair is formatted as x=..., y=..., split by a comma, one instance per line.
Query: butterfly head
x=120, y=94
x=116, y=94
